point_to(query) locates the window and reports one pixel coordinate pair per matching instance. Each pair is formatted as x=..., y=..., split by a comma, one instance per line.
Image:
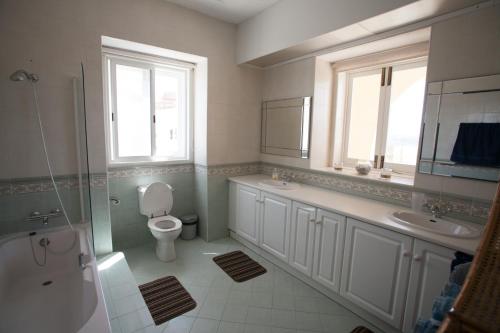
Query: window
x=148, y=104
x=383, y=112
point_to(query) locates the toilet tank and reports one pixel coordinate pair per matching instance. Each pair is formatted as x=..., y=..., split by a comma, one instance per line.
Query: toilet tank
x=155, y=199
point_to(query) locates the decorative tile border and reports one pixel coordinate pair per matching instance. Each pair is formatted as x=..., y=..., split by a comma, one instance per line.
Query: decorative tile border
x=150, y=170
x=461, y=207
x=383, y=192
x=231, y=170
x=98, y=180
x=44, y=184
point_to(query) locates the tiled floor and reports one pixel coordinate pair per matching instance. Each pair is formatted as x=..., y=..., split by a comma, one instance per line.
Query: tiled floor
x=275, y=302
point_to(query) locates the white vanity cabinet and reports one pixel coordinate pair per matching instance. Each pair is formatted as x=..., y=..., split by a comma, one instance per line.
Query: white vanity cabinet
x=247, y=213
x=329, y=248
x=275, y=225
x=393, y=276
x=375, y=270
x=302, y=237
x=430, y=271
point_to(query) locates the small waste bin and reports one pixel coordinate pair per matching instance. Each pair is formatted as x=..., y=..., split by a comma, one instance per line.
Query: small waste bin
x=189, y=223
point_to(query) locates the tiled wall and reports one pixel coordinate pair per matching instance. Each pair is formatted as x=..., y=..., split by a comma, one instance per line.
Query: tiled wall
x=20, y=197
x=218, y=195
x=462, y=207
x=128, y=227
x=466, y=208
x=204, y=190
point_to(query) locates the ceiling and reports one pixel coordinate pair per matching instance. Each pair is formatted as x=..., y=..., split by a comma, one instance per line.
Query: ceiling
x=412, y=16
x=232, y=11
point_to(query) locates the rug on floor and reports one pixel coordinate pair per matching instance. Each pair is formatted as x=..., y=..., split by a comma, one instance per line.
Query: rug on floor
x=239, y=266
x=166, y=299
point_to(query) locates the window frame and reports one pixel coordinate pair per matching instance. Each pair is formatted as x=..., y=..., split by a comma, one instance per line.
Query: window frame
x=383, y=112
x=113, y=57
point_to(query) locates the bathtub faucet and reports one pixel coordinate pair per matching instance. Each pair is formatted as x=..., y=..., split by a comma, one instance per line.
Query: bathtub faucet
x=82, y=261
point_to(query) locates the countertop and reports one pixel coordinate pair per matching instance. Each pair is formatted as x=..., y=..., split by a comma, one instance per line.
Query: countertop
x=366, y=210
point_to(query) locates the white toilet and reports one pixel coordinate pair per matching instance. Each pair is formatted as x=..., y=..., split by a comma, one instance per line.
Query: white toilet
x=155, y=201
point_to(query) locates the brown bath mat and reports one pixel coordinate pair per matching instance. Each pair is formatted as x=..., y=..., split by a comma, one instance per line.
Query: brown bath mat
x=361, y=329
x=166, y=299
x=239, y=266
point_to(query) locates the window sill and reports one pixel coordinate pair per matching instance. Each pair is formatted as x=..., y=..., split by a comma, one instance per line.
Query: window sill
x=374, y=175
x=115, y=164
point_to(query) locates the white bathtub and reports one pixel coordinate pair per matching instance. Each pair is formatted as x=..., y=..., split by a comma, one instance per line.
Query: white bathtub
x=71, y=299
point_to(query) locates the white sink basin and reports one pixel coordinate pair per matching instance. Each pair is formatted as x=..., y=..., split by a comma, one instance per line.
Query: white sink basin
x=437, y=225
x=279, y=184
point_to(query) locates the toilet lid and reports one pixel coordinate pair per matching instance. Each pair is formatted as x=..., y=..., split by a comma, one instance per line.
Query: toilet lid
x=157, y=199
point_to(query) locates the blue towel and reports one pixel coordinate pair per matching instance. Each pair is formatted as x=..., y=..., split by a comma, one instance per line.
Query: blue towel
x=477, y=144
x=460, y=258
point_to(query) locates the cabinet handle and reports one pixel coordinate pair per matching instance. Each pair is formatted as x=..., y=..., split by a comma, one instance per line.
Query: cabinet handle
x=417, y=258
x=312, y=219
x=407, y=254
x=319, y=221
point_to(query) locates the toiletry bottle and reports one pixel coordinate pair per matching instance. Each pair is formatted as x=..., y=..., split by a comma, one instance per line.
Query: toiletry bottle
x=275, y=175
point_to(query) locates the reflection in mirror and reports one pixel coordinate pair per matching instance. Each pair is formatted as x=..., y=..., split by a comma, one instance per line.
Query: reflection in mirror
x=286, y=126
x=461, y=130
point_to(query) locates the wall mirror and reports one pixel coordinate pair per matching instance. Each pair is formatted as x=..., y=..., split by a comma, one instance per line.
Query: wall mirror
x=286, y=127
x=461, y=129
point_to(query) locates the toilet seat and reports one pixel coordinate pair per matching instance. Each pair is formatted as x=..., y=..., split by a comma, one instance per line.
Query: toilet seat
x=166, y=223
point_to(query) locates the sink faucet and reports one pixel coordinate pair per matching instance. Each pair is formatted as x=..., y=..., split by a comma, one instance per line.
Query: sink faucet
x=437, y=208
x=287, y=178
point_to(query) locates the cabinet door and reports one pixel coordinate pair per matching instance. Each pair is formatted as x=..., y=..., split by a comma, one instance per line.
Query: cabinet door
x=328, y=250
x=375, y=270
x=247, y=213
x=275, y=222
x=430, y=271
x=302, y=237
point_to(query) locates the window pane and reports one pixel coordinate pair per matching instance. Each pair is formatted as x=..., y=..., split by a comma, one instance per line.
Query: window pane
x=133, y=111
x=365, y=95
x=405, y=115
x=170, y=111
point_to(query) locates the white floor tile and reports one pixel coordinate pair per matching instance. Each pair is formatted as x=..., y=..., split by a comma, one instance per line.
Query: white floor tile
x=135, y=320
x=283, y=318
x=211, y=309
x=235, y=313
x=258, y=316
x=283, y=301
x=181, y=324
x=202, y=325
x=115, y=326
x=308, y=321
x=226, y=327
x=275, y=302
x=250, y=328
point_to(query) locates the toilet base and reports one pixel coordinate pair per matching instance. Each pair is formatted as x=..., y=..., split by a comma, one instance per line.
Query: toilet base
x=165, y=250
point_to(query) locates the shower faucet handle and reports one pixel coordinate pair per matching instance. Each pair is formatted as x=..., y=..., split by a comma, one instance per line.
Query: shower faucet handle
x=36, y=216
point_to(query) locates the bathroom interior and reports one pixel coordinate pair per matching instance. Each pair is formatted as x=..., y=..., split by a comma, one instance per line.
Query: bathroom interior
x=249, y=166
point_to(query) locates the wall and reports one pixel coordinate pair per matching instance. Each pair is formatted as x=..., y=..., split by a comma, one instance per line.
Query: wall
x=290, y=22
x=51, y=38
x=129, y=227
x=466, y=46
x=295, y=79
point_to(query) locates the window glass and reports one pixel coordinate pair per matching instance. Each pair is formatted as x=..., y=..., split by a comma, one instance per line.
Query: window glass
x=170, y=105
x=133, y=111
x=405, y=114
x=148, y=105
x=364, y=108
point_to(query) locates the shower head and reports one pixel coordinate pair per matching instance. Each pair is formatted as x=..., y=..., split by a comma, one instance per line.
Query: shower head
x=21, y=75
